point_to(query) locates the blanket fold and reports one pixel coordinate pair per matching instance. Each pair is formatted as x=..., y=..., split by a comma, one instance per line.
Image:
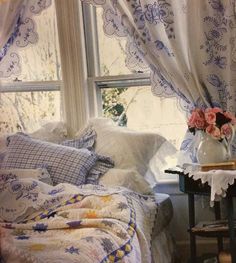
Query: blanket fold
x=83, y=224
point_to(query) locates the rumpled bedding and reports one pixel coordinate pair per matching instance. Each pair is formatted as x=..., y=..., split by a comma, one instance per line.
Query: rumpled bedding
x=66, y=223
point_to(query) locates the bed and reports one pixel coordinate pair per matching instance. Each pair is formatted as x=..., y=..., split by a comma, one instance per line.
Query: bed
x=83, y=199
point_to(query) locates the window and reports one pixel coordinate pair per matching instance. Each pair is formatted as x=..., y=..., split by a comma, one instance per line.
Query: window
x=32, y=98
x=123, y=95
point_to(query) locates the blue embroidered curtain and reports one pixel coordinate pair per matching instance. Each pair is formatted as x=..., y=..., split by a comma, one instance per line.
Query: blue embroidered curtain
x=17, y=30
x=189, y=46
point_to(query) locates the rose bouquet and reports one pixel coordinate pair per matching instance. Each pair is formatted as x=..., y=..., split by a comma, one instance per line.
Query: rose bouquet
x=214, y=121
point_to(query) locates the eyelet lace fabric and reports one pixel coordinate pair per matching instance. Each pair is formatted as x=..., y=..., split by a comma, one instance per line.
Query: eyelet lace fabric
x=161, y=39
x=23, y=34
x=219, y=180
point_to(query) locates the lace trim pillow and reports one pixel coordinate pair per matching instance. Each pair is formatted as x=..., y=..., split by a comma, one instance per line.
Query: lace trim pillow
x=64, y=164
x=129, y=149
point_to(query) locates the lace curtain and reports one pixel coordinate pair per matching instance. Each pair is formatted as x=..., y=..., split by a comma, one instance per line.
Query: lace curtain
x=189, y=46
x=17, y=30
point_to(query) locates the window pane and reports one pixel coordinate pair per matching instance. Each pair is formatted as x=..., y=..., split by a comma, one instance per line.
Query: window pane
x=27, y=111
x=111, y=51
x=138, y=109
x=42, y=61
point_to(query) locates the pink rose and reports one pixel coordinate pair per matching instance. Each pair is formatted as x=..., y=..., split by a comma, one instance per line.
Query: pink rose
x=200, y=123
x=226, y=130
x=193, y=117
x=200, y=112
x=197, y=119
x=210, y=117
x=215, y=110
x=230, y=116
x=213, y=131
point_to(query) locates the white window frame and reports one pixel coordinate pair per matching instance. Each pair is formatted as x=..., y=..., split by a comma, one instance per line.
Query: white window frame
x=30, y=86
x=81, y=84
x=15, y=86
x=96, y=81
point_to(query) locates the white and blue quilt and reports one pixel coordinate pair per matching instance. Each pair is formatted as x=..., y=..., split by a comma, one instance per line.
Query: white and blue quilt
x=67, y=223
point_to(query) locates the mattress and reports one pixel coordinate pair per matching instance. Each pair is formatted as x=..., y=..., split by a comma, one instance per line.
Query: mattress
x=163, y=247
x=164, y=212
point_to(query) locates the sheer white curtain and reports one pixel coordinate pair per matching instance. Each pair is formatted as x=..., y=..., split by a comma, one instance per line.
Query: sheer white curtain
x=9, y=13
x=188, y=45
x=17, y=30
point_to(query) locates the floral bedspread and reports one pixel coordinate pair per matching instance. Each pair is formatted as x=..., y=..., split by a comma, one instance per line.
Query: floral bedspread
x=66, y=223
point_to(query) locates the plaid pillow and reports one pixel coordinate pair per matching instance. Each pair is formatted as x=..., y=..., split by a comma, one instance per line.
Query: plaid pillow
x=86, y=140
x=103, y=164
x=64, y=164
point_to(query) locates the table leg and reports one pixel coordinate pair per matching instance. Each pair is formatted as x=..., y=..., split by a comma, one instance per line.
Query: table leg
x=218, y=217
x=191, y=210
x=231, y=228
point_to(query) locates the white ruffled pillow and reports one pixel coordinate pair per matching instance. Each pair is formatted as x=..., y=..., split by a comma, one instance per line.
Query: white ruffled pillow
x=128, y=178
x=128, y=149
x=55, y=132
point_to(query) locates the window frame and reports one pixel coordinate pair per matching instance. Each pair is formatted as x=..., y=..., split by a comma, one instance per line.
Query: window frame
x=30, y=86
x=25, y=86
x=86, y=101
x=9, y=85
x=96, y=81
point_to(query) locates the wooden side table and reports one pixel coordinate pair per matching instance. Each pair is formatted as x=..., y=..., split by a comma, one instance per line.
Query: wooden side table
x=191, y=188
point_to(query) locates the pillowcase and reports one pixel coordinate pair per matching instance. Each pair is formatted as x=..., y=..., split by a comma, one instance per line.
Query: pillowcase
x=40, y=174
x=129, y=149
x=3, y=148
x=21, y=197
x=64, y=164
x=86, y=140
x=128, y=178
x=103, y=164
x=55, y=132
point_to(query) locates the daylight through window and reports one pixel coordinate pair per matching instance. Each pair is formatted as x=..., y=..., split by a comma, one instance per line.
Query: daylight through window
x=32, y=98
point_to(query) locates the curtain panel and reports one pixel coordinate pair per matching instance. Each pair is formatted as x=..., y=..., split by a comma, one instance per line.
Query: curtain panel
x=17, y=30
x=188, y=45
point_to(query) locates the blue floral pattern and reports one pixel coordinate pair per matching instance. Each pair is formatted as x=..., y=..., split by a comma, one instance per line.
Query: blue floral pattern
x=163, y=36
x=161, y=12
x=223, y=92
x=24, y=191
x=24, y=34
x=216, y=26
x=100, y=235
x=40, y=227
x=72, y=250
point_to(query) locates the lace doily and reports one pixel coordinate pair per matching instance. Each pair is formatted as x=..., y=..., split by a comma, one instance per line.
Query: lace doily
x=219, y=180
